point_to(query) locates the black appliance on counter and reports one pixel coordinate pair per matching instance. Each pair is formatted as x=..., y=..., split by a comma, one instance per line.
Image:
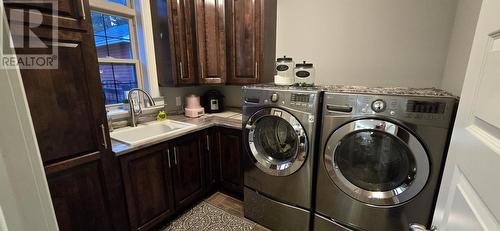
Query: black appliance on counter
x=213, y=101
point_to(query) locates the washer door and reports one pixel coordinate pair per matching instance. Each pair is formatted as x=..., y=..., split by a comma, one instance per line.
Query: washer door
x=277, y=141
x=376, y=162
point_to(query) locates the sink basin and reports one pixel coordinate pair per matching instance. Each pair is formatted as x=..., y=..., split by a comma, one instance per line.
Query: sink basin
x=149, y=131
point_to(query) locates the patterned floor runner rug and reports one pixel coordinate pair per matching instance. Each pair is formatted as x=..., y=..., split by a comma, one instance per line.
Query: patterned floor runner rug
x=205, y=217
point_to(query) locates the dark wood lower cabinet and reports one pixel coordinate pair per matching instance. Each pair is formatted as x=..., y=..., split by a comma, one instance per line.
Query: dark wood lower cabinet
x=148, y=187
x=163, y=180
x=188, y=173
x=231, y=173
x=166, y=179
x=79, y=198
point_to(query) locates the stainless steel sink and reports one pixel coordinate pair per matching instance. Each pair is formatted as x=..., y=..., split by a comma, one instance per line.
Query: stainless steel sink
x=149, y=131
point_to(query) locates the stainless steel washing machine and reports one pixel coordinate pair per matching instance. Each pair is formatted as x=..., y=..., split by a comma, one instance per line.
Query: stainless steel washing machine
x=279, y=132
x=381, y=157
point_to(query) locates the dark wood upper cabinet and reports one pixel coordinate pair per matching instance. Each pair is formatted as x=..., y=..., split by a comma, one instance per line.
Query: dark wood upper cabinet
x=148, y=186
x=173, y=31
x=230, y=144
x=163, y=38
x=211, y=41
x=214, y=41
x=182, y=33
x=188, y=173
x=71, y=14
x=251, y=40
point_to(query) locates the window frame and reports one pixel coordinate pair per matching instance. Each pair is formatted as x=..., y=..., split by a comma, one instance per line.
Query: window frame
x=129, y=13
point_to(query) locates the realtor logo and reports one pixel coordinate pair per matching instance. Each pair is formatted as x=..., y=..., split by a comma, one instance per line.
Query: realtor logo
x=32, y=41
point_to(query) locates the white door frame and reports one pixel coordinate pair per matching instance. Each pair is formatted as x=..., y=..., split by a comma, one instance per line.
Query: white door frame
x=25, y=202
x=469, y=197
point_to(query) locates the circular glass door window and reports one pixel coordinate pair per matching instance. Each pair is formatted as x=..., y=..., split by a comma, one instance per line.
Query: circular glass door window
x=374, y=161
x=277, y=141
x=276, y=138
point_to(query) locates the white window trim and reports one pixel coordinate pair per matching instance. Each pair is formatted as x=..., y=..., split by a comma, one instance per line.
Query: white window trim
x=141, y=38
x=146, y=41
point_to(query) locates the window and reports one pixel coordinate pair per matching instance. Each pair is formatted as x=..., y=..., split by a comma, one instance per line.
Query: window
x=115, y=42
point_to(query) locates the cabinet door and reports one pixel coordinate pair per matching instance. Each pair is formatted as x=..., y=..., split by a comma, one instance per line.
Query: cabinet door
x=66, y=104
x=79, y=198
x=211, y=40
x=182, y=33
x=68, y=14
x=251, y=40
x=212, y=157
x=148, y=187
x=163, y=42
x=188, y=174
x=230, y=145
x=245, y=40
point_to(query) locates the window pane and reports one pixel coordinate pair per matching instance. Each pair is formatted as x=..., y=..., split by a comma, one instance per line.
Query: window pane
x=121, y=2
x=116, y=79
x=112, y=36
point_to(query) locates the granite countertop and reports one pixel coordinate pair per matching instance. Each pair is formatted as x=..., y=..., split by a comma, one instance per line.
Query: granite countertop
x=399, y=91
x=403, y=91
x=229, y=119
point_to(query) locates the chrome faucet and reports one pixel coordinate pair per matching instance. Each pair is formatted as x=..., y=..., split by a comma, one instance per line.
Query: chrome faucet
x=134, y=115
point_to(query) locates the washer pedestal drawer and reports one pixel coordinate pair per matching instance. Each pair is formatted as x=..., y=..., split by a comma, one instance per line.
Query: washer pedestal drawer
x=273, y=214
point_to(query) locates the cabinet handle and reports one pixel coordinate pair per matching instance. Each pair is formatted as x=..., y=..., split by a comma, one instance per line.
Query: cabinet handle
x=419, y=227
x=61, y=44
x=168, y=157
x=208, y=143
x=256, y=69
x=202, y=71
x=83, y=9
x=175, y=155
x=104, y=141
x=181, y=70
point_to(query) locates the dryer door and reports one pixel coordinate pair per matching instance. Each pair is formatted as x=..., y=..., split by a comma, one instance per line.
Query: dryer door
x=376, y=162
x=277, y=141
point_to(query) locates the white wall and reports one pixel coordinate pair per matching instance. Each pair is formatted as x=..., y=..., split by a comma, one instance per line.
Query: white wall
x=367, y=42
x=371, y=43
x=460, y=45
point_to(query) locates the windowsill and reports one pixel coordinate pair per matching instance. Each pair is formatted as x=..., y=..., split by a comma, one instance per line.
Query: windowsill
x=116, y=112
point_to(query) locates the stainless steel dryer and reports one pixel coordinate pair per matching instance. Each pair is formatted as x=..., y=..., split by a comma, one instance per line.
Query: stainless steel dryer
x=381, y=157
x=279, y=130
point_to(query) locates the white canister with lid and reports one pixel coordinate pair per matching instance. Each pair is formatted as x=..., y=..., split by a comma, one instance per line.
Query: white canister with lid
x=284, y=67
x=304, y=73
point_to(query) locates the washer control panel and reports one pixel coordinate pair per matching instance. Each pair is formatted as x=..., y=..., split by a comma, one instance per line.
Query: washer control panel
x=400, y=107
x=306, y=101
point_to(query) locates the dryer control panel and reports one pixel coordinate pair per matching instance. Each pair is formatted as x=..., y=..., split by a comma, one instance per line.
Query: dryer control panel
x=422, y=110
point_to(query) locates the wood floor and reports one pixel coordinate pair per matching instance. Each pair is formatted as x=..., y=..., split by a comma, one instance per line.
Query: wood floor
x=230, y=205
